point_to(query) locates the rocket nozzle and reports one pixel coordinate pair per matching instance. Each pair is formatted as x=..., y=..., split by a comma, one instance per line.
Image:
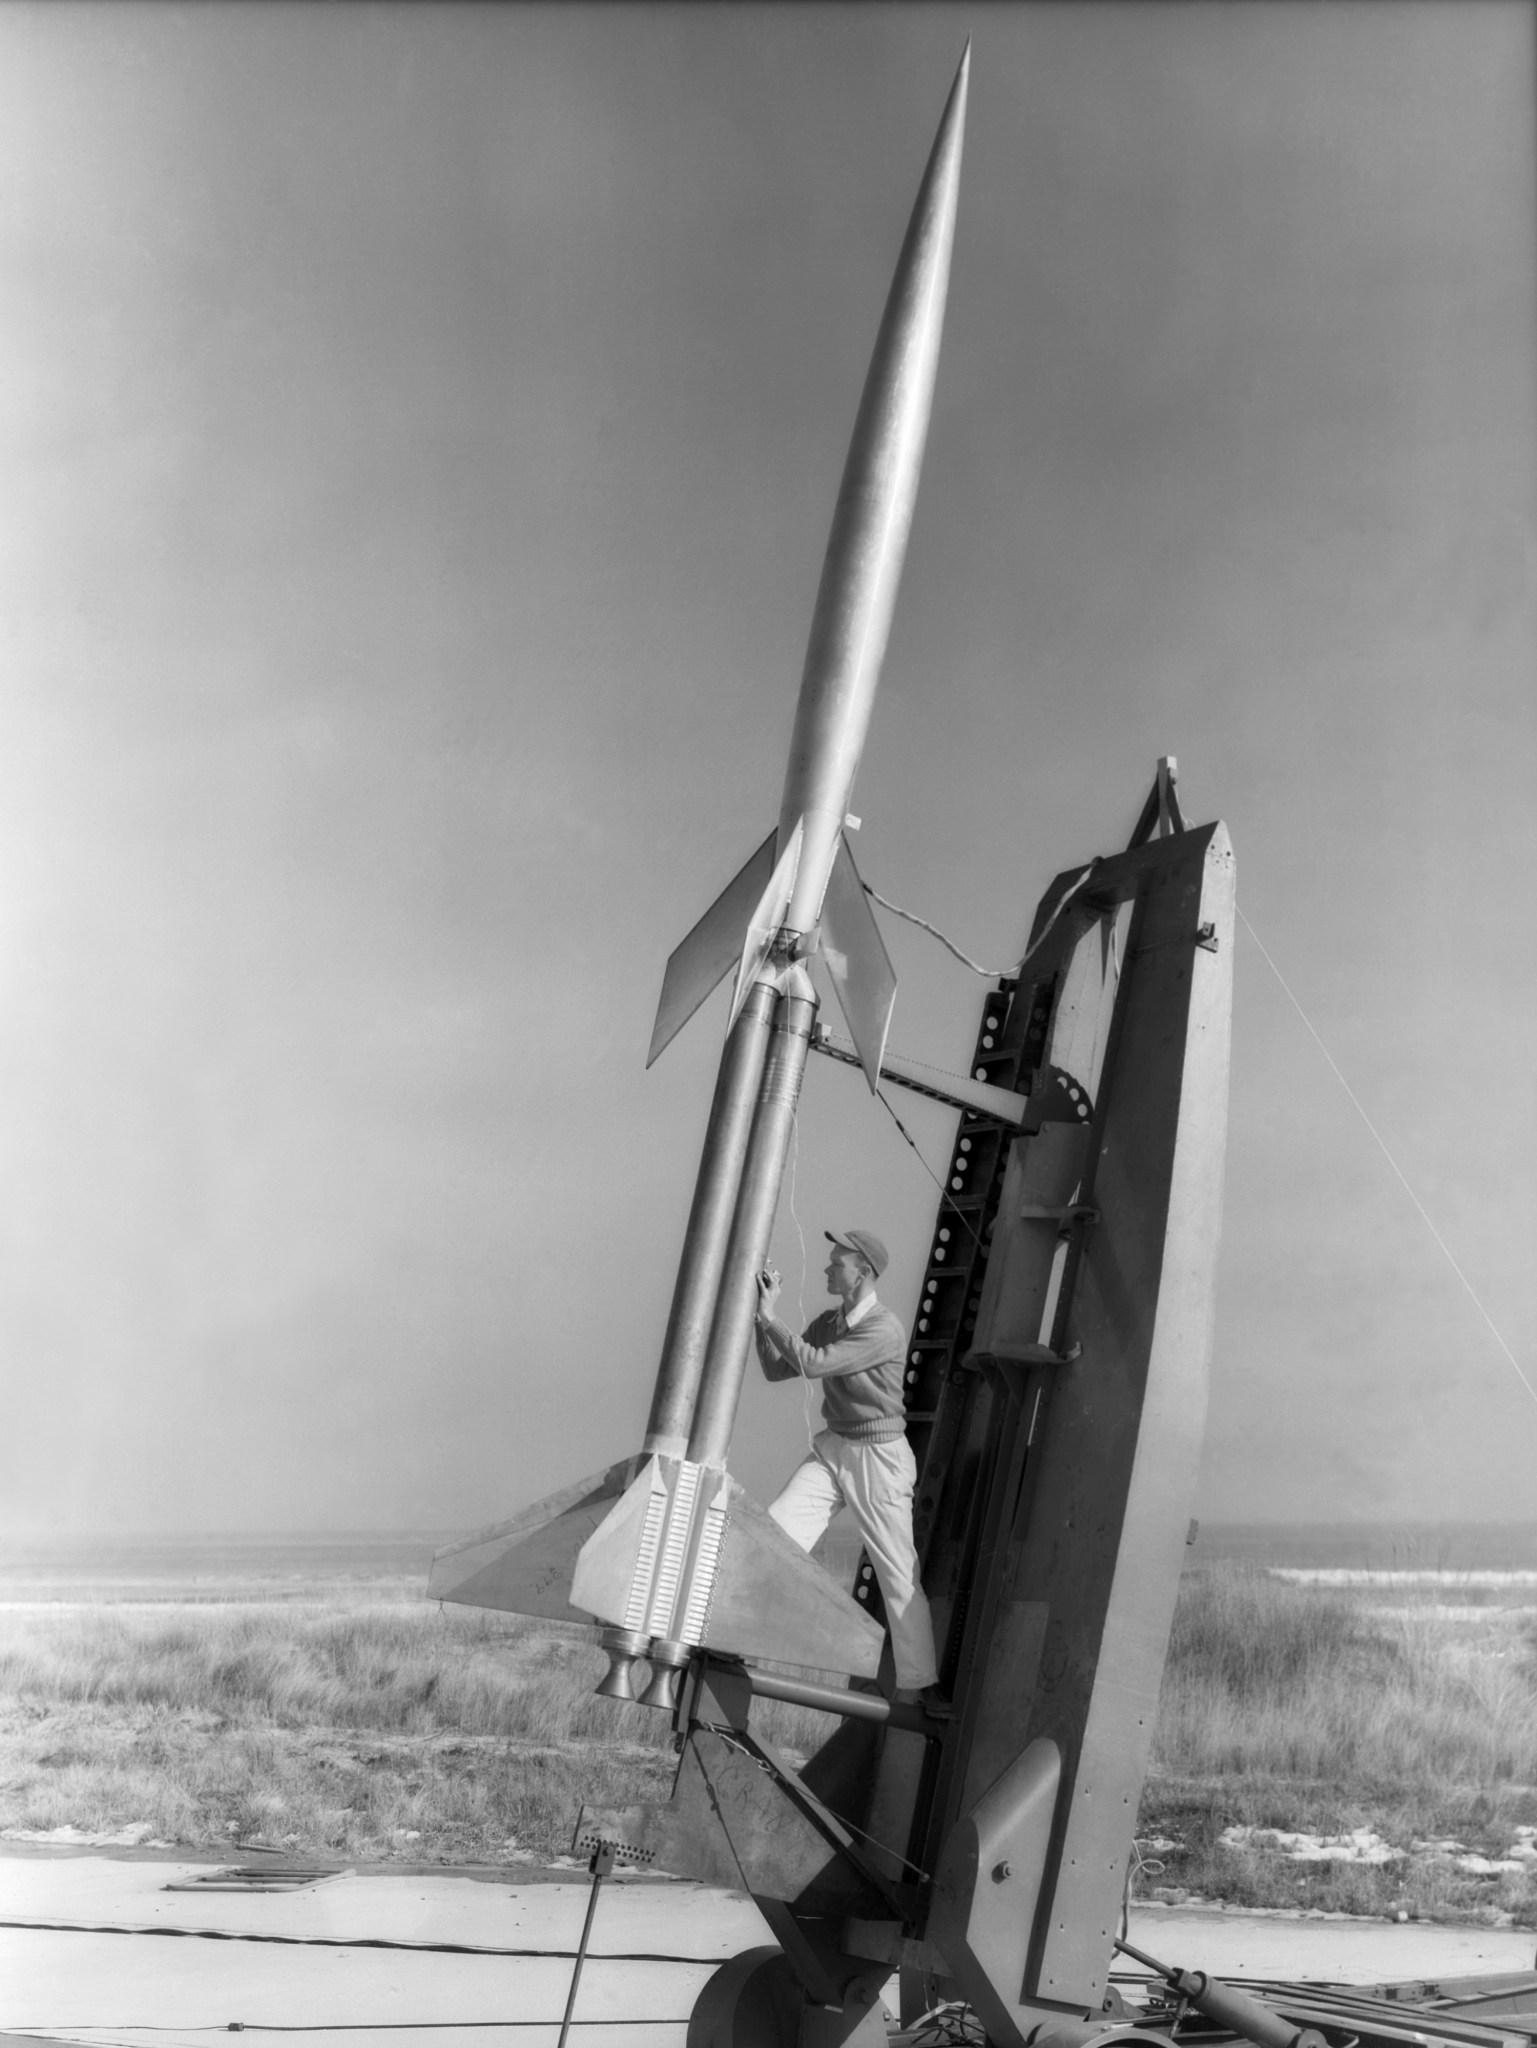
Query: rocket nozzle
x=623, y=1647
x=668, y=1661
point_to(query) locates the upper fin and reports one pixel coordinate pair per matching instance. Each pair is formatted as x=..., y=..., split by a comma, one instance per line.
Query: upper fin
x=767, y=920
x=703, y=960
x=857, y=962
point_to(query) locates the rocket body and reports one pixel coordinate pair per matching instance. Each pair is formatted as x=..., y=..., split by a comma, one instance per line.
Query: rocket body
x=871, y=522
x=850, y=625
x=667, y=1550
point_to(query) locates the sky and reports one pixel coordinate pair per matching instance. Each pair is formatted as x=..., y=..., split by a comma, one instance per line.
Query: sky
x=421, y=428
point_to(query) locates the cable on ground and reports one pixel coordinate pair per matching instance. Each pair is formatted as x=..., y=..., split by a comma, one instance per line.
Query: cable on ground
x=50, y=2027
x=431, y=1948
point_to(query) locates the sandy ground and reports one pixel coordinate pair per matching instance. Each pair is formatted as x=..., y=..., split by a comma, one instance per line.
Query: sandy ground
x=95, y=1948
x=1231, y=1943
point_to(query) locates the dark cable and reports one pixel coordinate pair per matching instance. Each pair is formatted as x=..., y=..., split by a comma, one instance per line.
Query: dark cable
x=431, y=1948
x=933, y=1176
x=318, y=2026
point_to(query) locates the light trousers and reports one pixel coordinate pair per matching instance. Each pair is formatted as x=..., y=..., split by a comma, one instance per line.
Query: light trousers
x=875, y=1482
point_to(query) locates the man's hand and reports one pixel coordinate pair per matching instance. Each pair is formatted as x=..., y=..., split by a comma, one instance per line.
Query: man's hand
x=768, y=1293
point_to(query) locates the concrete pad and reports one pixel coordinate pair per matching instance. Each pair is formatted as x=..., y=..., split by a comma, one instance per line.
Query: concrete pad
x=127, y=1961
x=633, y=1914
x=68, y=1983
x=653, y=1948
x=1336, y=1951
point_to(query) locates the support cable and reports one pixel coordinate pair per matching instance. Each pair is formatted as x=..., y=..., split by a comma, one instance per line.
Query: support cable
x=912, y=917
x=1387, y=1155
x=807, y=1390
x=987, y=973
x=753, y=1757
x=933, y=1176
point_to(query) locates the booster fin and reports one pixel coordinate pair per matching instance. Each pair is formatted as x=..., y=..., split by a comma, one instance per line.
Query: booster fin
x=767, y=920
x=858, y=964
x=524, y=1566
x=700, y=963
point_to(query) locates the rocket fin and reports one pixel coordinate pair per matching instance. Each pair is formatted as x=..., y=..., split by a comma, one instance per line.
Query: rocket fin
x=857, y=962
x=524, y=1566
x=772, y=1599
x=687, y=1555
x=703, y=960
x=768, y=917
x=614, y=1572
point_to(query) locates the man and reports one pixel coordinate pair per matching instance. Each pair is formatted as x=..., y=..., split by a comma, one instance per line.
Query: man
x=862, y=1459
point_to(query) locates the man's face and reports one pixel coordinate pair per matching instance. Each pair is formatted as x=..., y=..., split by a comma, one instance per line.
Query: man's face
x=845, y=1272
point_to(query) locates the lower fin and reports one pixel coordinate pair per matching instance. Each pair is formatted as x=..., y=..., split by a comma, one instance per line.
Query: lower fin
x=701, y=962
x=767, y=920
x=858, y=964
x=524, y=1566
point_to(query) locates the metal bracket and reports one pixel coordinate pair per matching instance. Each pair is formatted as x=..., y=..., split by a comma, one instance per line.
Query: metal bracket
x=1019, y=1354
x=1161, y=814
x=1204, y=936
x=1065, y=1218
x=827, y=1824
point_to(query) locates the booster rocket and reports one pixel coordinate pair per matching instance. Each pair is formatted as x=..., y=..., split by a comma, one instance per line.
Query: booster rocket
x=665, y=1547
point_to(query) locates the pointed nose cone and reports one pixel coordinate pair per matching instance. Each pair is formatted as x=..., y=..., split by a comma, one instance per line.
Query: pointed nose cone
x=865, y=549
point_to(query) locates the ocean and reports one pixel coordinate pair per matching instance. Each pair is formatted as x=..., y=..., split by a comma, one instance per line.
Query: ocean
x=305, y=1566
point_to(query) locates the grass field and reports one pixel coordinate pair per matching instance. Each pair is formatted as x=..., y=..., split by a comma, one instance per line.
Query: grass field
x=368, y=1728
x=1291, y=1709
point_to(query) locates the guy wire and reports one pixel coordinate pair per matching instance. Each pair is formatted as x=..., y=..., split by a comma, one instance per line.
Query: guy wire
x=933, y=1176
x=1387, y=1155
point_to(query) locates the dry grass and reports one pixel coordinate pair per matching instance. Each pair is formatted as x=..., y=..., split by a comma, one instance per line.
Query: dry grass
x=370, y=1729
x=360, y=1731
x=1293, y=1708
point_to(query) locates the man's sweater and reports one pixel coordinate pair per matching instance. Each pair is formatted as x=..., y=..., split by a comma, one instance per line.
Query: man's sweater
x=860, y=1367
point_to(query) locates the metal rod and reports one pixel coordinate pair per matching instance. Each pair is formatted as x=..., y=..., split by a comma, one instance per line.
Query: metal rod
x=602, y=1863
x=1238, y=2011
x=709, y=1226
x=853, y=1706
x=982, y=1100
x=1148, y=1962
x=736, y=1303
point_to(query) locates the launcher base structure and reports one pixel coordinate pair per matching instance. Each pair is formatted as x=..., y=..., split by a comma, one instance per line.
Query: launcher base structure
x=1056, y=1394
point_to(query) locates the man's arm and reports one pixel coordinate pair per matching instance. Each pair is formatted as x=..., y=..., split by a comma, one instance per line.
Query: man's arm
x=773, y=1361
x=861, y=1349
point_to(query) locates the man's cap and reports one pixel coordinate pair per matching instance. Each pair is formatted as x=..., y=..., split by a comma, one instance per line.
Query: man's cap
x=868, y=1246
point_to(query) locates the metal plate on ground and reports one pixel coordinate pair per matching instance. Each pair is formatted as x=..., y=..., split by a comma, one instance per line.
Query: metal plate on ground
x=251, y=1877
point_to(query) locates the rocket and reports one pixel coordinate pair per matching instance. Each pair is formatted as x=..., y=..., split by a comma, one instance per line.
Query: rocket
x=665, y=1548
